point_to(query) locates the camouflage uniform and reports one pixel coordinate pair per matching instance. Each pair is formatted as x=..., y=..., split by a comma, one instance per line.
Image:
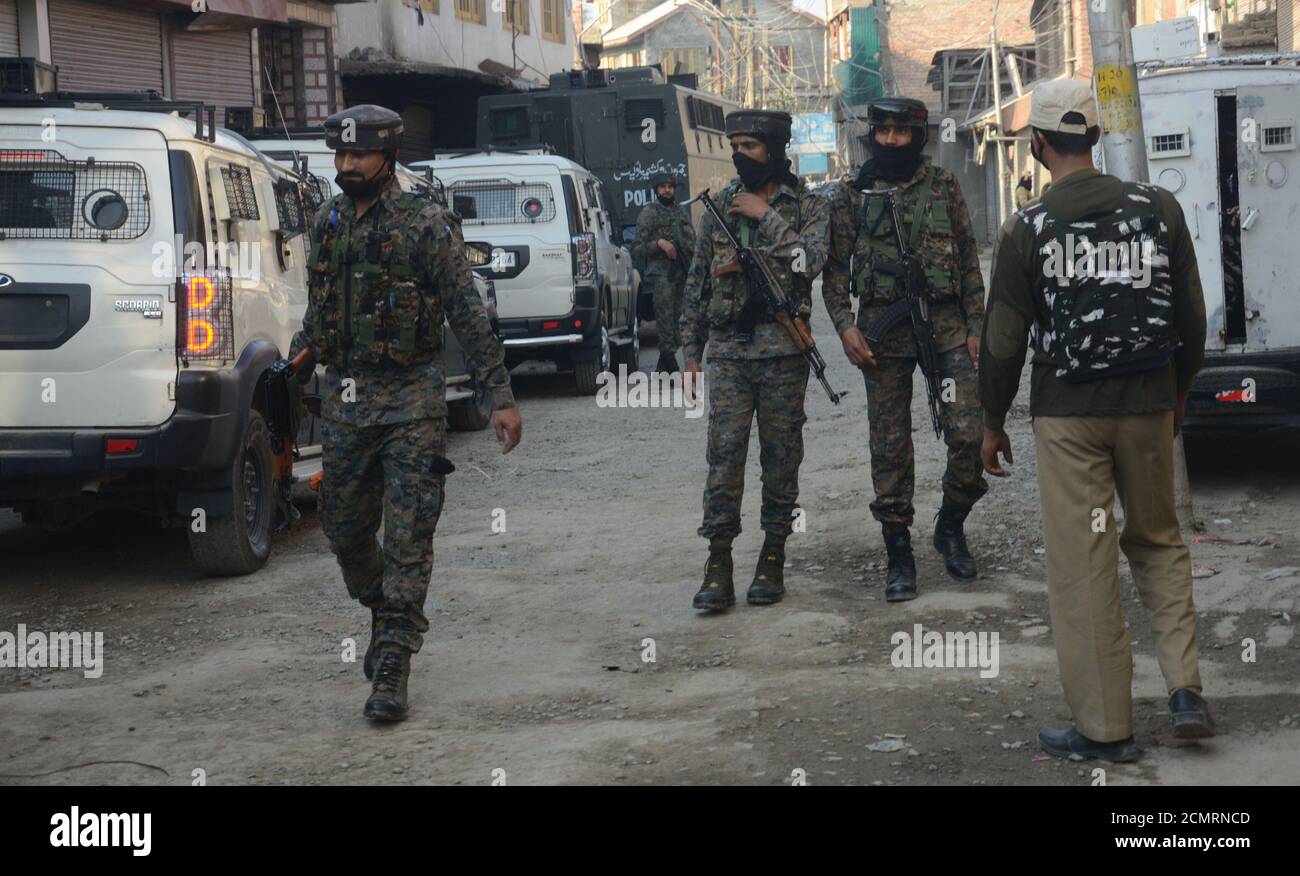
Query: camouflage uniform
x=378, y=449
x=662, y=275
x=951, y=260
x=765, y=375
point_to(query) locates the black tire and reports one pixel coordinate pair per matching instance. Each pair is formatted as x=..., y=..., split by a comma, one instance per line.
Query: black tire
x=471, y=414
x=629, y=354
x=240, y=543
x=586, y=371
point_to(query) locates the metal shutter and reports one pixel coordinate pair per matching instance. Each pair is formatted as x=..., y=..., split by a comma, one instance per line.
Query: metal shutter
x=213, y=66
x=98, y=47
x=8, y=28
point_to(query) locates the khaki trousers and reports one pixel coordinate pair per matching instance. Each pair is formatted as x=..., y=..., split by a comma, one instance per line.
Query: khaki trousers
x=1082, y=463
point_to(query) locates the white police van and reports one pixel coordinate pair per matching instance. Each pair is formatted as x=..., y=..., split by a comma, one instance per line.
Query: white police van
x=152, y=270
x=566, y=287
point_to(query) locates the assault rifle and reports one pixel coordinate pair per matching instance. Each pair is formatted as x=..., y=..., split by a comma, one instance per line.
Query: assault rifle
x=913, y=305
x=761, y=280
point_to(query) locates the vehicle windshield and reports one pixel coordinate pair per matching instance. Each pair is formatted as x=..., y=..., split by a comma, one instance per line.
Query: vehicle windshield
x=498, y=201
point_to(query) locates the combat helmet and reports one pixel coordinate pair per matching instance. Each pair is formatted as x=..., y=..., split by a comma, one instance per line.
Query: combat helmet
x=364, y=128
x=770, y=126
x=899, y=111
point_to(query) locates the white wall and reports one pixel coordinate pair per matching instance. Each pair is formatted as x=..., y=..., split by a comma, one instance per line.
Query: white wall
x=393, y=27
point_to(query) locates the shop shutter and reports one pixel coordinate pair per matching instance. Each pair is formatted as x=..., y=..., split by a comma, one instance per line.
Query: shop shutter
x=102, y=47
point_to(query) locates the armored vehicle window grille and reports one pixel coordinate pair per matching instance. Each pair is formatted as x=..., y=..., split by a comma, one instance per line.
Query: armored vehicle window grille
x=637, y=111
x=44, y=196
x=511, y=123
x=1169, y=145
x=239, y=192
x=496, y=202
x=205, y=327
x=316, y=193
x=705, y=115
x=1278, y=138
x=289, y=206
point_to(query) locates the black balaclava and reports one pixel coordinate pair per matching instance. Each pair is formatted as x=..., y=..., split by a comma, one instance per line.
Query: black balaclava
x=666, y=201
x=367, y=187
x=756, y=174
x=898, y=163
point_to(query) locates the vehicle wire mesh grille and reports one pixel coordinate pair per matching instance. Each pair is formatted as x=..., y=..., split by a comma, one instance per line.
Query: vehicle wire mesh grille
x=497, y=202
x=44, y=196
x=289, y=206
x=239, y=192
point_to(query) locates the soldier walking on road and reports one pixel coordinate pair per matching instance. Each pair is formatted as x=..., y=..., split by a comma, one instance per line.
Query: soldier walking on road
x=754, y=366
x=864, y=260
x=663, y=249
x=385, y=269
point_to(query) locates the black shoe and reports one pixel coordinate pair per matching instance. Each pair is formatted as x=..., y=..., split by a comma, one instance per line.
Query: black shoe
x=768, y=586
x=1189, y=715
x=900, y=580
x=718, y=591
x=950, y=540
x=388, y=696
x=667, y=363
x=372, y=650
x=1063, y=743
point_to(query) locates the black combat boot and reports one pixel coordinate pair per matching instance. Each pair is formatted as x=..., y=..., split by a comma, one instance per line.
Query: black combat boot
x=900, y=581
x=718, y=590
x=372, y=650
x=667, y=363
x=768, y=586
x=950, y=540
x=388, y=696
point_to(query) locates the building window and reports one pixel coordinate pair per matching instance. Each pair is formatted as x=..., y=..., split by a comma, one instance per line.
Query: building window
x=1278, y=138
x=515, y=15
x=1168, y=145
x=429, y=6
x=674, y=61
x=553, y=20
x=471, y=10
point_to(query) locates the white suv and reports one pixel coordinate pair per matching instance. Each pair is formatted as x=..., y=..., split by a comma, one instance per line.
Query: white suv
x=566, y=288
x=153, y=271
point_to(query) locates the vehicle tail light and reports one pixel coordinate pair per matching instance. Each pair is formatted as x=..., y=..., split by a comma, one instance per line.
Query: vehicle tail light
x=205, y=318
x=584, y=258
x=122, y=445
x=550, y=324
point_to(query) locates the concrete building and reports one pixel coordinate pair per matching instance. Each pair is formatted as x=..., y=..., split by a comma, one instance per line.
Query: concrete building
x=431, y=60
x=218, y=51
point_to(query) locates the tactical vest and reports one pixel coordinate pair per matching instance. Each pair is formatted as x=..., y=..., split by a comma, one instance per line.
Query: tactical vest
x=1103, y=297
x=372, y=311
x=727, y=300
x=928, y=231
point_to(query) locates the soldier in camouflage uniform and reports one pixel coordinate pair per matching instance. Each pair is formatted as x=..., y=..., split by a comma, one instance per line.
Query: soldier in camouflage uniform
x=862, y=246
x=663, y=249
x=385, y=269
x=754, y=367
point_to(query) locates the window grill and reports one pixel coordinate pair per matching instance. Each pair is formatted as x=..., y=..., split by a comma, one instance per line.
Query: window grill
x=496, y=202
x=1167, y=143
x=638, y=110
x=1279, y=137
x=205, y=317
x=44, y=196
x=239, y=192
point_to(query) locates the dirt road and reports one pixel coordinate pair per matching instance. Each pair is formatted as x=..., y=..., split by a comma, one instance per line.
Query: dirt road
x=534, y=664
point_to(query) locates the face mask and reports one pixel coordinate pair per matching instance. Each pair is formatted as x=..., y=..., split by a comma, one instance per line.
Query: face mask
x=894, y=162
x=754, y=174
x=666, y=200
x=362, y=187
x=1034, y=151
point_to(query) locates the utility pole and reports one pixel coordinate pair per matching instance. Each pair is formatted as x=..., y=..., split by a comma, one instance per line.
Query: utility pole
x=997, y=125
x=1124, y=145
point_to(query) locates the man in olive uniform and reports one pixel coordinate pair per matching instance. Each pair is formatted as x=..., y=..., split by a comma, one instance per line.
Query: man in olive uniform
x=863, y=260
x=754, y=366
x=385, y=269
x=664, y=244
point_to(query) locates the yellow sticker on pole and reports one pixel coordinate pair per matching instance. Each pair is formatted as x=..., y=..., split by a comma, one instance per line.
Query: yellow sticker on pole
x=1117, y=99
